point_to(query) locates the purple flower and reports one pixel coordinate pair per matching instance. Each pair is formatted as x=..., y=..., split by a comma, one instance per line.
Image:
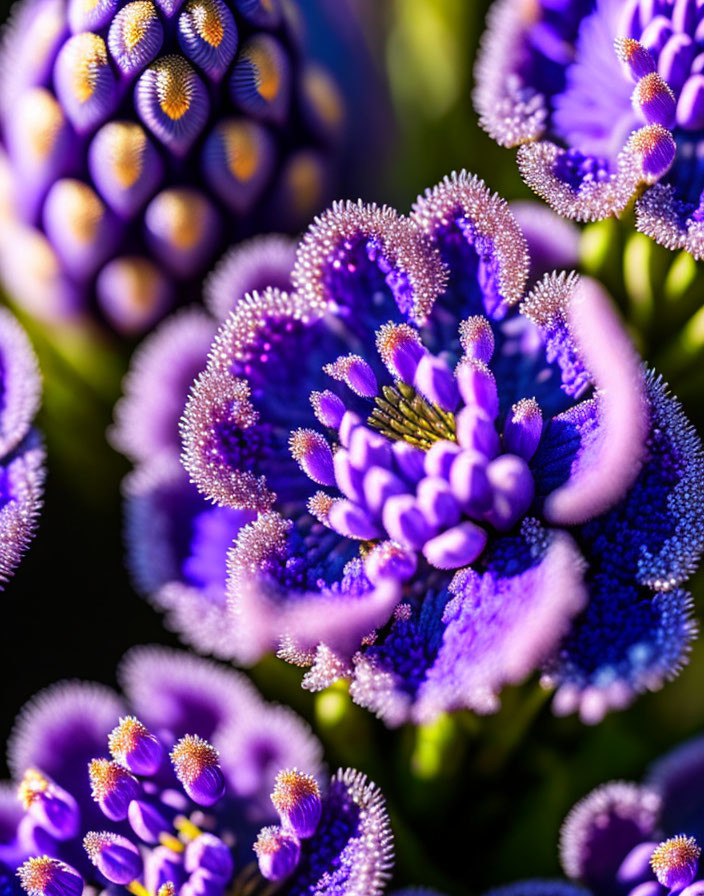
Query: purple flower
x=605, y=97
x=21, y=450
x=207, y=779
x=626, y=839
x=137, y=136
x=177, y=542
x=442, y=467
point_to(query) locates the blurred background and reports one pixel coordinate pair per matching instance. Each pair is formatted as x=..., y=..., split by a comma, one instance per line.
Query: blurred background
x=474, y=801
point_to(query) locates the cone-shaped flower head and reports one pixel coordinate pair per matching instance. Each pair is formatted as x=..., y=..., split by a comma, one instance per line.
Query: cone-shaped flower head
x=269, y=814
x=21, y=451
x=626, y=839
x=605, y=98
x=440, y=464
x=139, y=136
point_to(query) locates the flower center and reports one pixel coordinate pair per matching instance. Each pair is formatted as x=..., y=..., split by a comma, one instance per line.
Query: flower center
x=402, y=414
x=427, y=467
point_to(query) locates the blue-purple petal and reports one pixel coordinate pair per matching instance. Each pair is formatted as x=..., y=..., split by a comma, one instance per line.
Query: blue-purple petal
x=351, y=853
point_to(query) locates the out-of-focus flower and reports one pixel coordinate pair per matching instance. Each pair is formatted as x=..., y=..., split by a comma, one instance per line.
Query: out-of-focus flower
x=553, y=242
x=177, y=542
x=442, y=467
x=626, y=839
x=190, y=784
x=606, y=97
x=21, y=451
x=138, y=136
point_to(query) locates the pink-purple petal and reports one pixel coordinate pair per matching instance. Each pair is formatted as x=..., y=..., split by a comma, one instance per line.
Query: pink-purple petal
x=605, y=470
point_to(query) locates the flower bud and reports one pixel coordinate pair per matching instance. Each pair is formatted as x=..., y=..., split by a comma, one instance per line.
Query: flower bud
x=134, y=747
x=49, y=805
x=116, y=857
x=296, y=797
x=44, y=876
x=278, y=853
x=197, y=767
x=112, y=787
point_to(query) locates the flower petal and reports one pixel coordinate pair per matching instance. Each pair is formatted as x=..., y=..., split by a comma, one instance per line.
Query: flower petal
x=265, y=361
x=627, y=641
x=250, y=267
x=564, y=180
x=601, y=830
x=177, y=692
x=20, y=384
x=669, y=221
x=678, y=778
x=296, y=593
x=59, y=731
x=351, y=853
x=510, y=111
x=354, y=251
x=21, y=489
x=611, y=453
x=497, y=628
x=156, y=387
x=177, y=548
x=480, y=243
x=389, y=674
x=11, y=812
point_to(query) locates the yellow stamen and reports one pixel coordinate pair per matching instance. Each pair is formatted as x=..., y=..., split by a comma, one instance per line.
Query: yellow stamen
x=138, y=889
x=186, y=827
x=173, y=843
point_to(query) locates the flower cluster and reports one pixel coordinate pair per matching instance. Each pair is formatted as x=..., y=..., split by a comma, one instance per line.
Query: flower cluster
x=451, y=483
x=137, y=135
x=626, y=839
x=606, y=97
x=176, y=799
x=177, y=542
x=21, y=451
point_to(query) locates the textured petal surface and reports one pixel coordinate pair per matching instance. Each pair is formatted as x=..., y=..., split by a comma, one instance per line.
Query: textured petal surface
x=353, y=251
x=480, y=243
x=21, y=490
x=283, y=595
x=20, y=385
x=670, y=221
x=610, y=458
x=602, y=829
x=497, y=627
x=351, y=853
x=630, y=639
